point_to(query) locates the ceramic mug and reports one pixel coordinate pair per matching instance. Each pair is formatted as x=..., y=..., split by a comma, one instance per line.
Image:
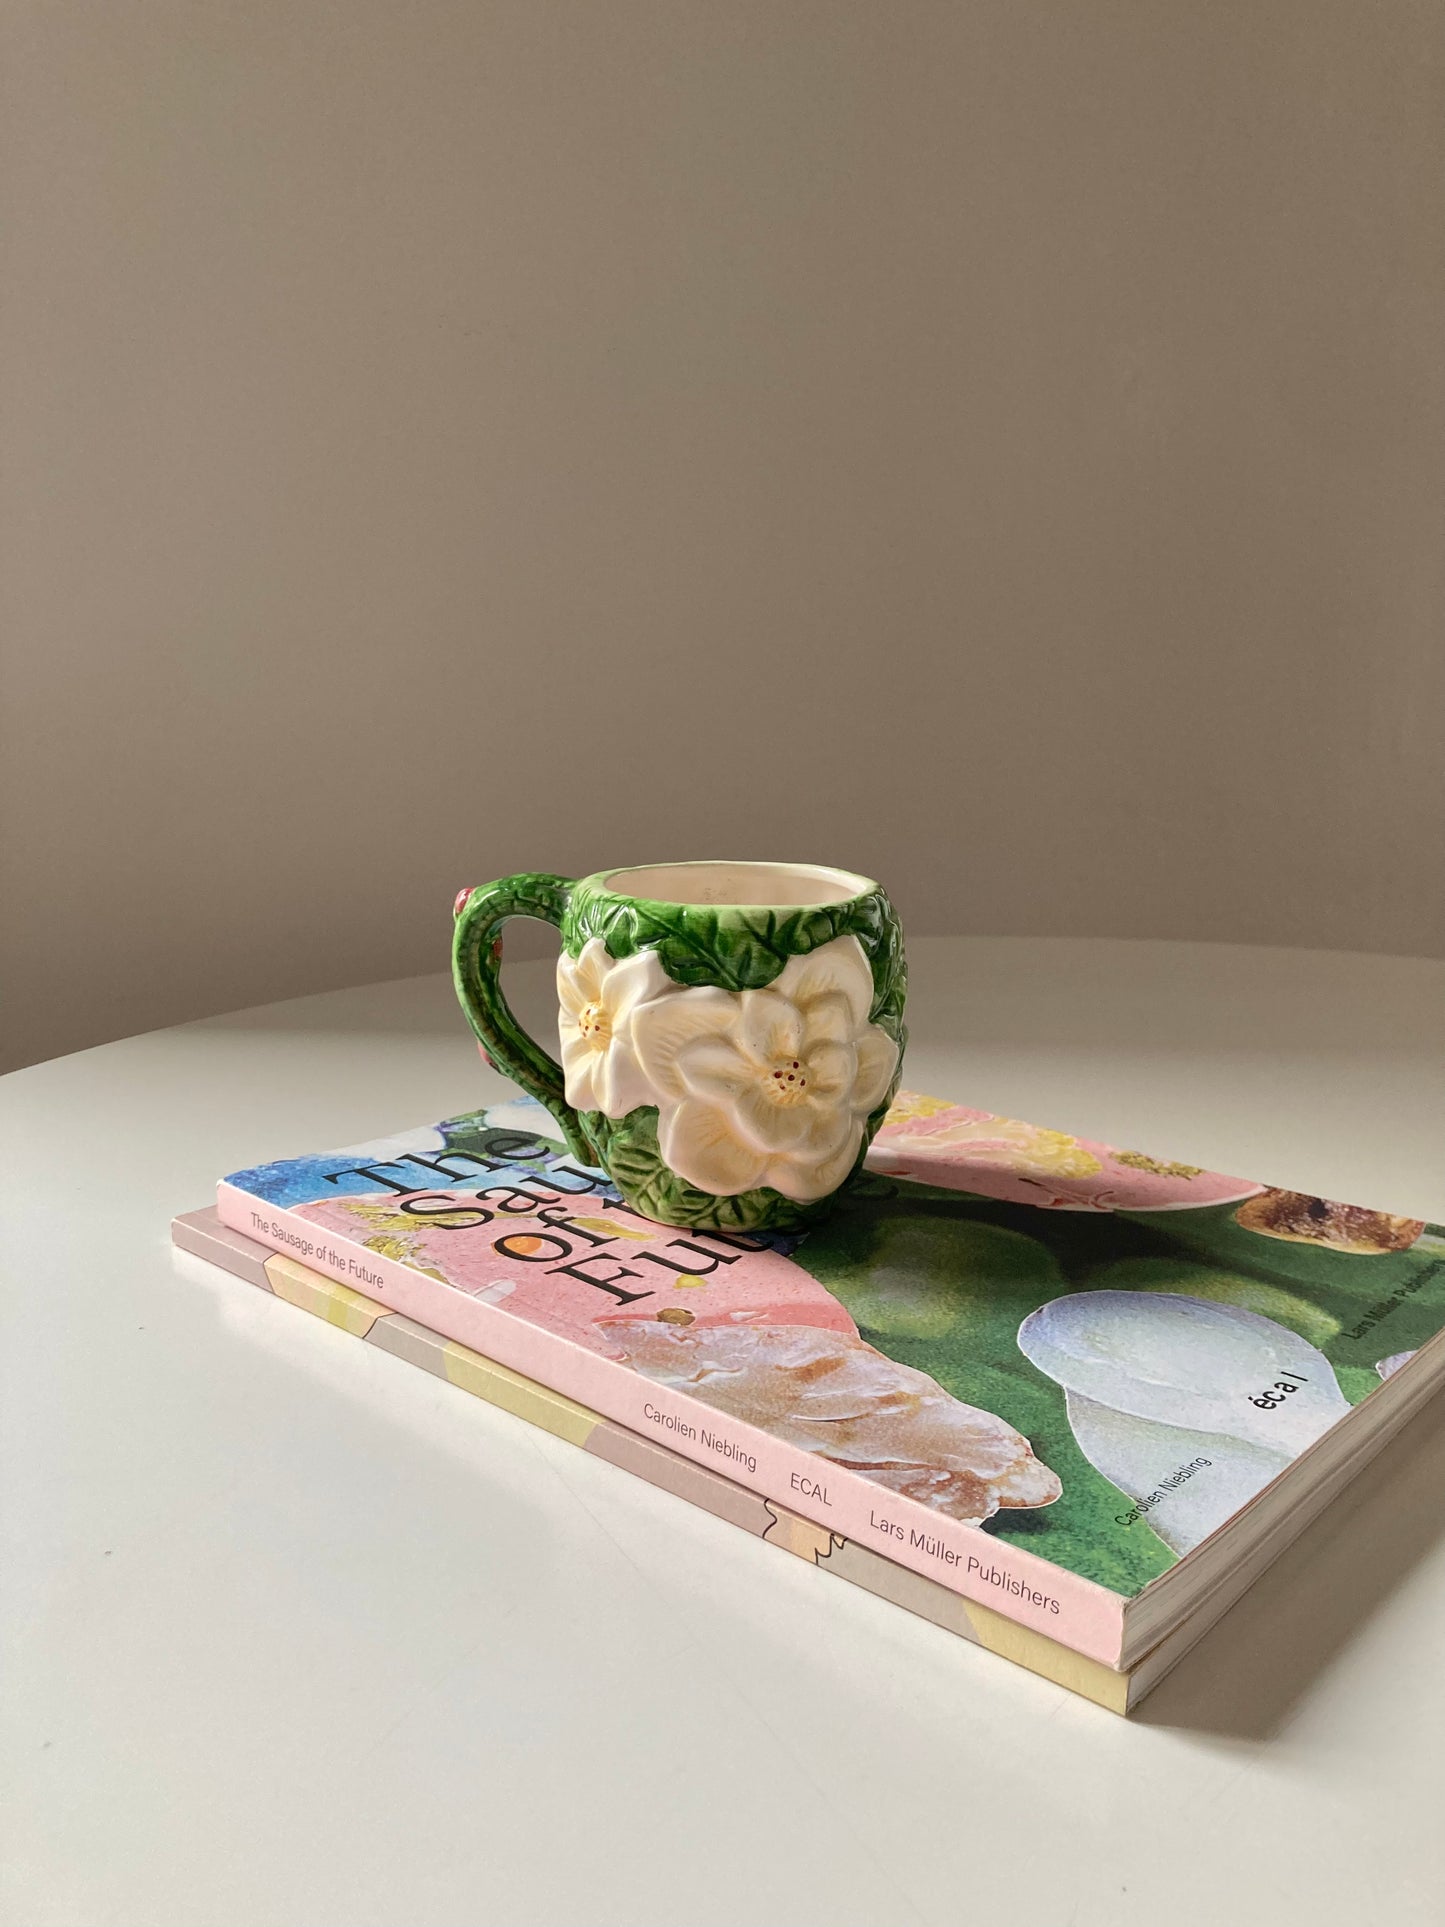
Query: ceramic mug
x=731, y=1033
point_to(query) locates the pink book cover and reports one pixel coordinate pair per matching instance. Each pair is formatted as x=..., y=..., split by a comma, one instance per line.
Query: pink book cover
x=1035, y=1369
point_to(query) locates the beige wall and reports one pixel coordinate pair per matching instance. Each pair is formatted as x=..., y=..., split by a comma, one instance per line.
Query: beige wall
x=998, y=447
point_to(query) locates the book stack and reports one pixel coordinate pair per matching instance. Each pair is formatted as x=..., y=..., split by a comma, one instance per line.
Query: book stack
x=1064, y=1400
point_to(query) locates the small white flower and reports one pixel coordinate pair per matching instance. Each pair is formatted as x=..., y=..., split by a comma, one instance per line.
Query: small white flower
x=597, y=996
x=768, y=1087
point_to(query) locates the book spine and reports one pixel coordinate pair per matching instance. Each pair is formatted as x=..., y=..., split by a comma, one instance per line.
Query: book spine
x=969, y=1561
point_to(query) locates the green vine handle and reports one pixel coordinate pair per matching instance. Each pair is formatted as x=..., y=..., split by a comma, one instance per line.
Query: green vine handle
x=476, y=971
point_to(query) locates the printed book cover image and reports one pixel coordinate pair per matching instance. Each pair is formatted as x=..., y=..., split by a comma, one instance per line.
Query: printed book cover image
x=1038, y=1370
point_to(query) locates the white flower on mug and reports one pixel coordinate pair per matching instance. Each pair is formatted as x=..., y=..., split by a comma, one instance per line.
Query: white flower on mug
x=597, y=996
x=768, y=1087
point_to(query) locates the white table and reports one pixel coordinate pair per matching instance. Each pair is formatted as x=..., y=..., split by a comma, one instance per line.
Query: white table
x=297, y=1634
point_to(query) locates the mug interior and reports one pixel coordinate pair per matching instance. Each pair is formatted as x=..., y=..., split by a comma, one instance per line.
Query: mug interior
x=742, y=886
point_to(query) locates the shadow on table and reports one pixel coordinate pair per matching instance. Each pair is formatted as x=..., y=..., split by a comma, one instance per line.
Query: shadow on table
x=1245, y=1676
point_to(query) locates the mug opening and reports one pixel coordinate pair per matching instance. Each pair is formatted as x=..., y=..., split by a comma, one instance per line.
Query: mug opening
x=750, y=886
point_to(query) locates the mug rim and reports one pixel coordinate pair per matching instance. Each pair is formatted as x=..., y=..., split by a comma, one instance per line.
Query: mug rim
x=846, y=885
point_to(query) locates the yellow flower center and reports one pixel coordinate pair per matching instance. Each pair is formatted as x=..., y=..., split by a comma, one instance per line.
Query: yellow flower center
x=594, y=1024
x=785, y=1080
